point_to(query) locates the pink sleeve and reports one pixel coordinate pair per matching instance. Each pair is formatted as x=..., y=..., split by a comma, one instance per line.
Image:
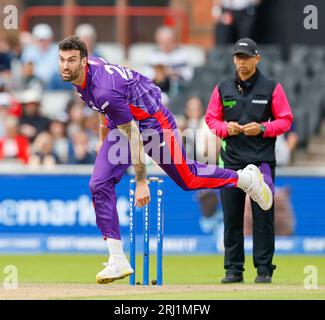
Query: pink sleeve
x=282, y=114
x=214, y=115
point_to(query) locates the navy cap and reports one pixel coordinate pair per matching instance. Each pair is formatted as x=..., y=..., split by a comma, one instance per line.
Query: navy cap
x=246, y=46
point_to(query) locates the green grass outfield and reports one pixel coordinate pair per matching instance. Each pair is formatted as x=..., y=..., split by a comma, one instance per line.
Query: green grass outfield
x=181, y=273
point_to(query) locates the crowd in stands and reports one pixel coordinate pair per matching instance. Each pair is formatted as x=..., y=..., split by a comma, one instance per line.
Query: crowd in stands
x=30, y=132
x=36, y=131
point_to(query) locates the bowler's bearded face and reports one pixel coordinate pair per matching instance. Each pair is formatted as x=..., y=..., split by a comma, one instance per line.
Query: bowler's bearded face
x=70, y=65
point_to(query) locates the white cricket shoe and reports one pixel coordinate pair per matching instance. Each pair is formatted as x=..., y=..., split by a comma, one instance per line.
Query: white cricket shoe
x=259, y=191
x=117, y=267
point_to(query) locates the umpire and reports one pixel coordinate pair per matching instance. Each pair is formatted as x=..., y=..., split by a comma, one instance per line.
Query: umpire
x=248, y=112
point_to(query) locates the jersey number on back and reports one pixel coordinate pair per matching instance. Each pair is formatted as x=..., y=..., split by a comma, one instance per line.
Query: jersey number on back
x=123, y=72
x=110, y=69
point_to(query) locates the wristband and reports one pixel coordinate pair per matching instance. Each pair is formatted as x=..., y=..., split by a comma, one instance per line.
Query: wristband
x=263, y=128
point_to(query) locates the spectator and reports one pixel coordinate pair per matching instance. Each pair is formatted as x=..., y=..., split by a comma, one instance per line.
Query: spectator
x=161, y=78
x=172, y=56
x=15, y=45
x=201, y=143
x=5, y=57
x=5, y=63
x=79, y=153
x=13, y=146
x=194, y=113
x=61, y=143
x=5, y=103
x=8, y=106
x=87, y=33
x=91, y=128
x=32, y=122
x=42, y=53
x=25, y=40
x=28, y=80
x=234, y=19
x=42, y=151
x=285, y=146
x=76, y=118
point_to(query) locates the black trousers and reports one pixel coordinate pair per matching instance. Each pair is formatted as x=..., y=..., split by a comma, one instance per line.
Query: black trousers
x=242, y=26
x=233, y=203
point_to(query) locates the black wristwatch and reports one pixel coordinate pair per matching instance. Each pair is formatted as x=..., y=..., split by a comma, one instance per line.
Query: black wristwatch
x=263, y=128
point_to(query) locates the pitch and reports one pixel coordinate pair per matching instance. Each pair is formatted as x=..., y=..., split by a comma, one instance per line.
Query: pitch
x=186, y=277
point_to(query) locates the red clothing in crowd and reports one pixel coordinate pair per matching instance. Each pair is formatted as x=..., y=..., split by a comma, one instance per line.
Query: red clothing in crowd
x=17, y=148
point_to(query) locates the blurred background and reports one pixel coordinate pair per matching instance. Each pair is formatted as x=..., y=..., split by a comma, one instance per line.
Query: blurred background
x=48, y=136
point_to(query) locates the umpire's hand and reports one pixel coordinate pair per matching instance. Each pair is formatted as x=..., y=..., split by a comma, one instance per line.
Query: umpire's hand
x=234, y=128
x=252, y=129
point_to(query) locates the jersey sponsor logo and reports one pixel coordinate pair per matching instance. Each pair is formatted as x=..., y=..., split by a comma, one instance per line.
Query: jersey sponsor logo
x=103, y=106
x=260, y=101
x=229, y=103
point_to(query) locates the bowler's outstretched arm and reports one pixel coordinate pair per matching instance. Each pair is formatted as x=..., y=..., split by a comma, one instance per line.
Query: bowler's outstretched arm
x=131, y=131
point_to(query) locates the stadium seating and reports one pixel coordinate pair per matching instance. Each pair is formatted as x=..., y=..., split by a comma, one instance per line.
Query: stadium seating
x=302, y=76
x=311, y=99
x=138, y=55
x=220, y=53
x=298, y=54
x=271, y=52
x=112, y=51
x=195, y=55
x=53, y=104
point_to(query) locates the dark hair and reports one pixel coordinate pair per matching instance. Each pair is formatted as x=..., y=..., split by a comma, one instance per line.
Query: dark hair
x=74, y=43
